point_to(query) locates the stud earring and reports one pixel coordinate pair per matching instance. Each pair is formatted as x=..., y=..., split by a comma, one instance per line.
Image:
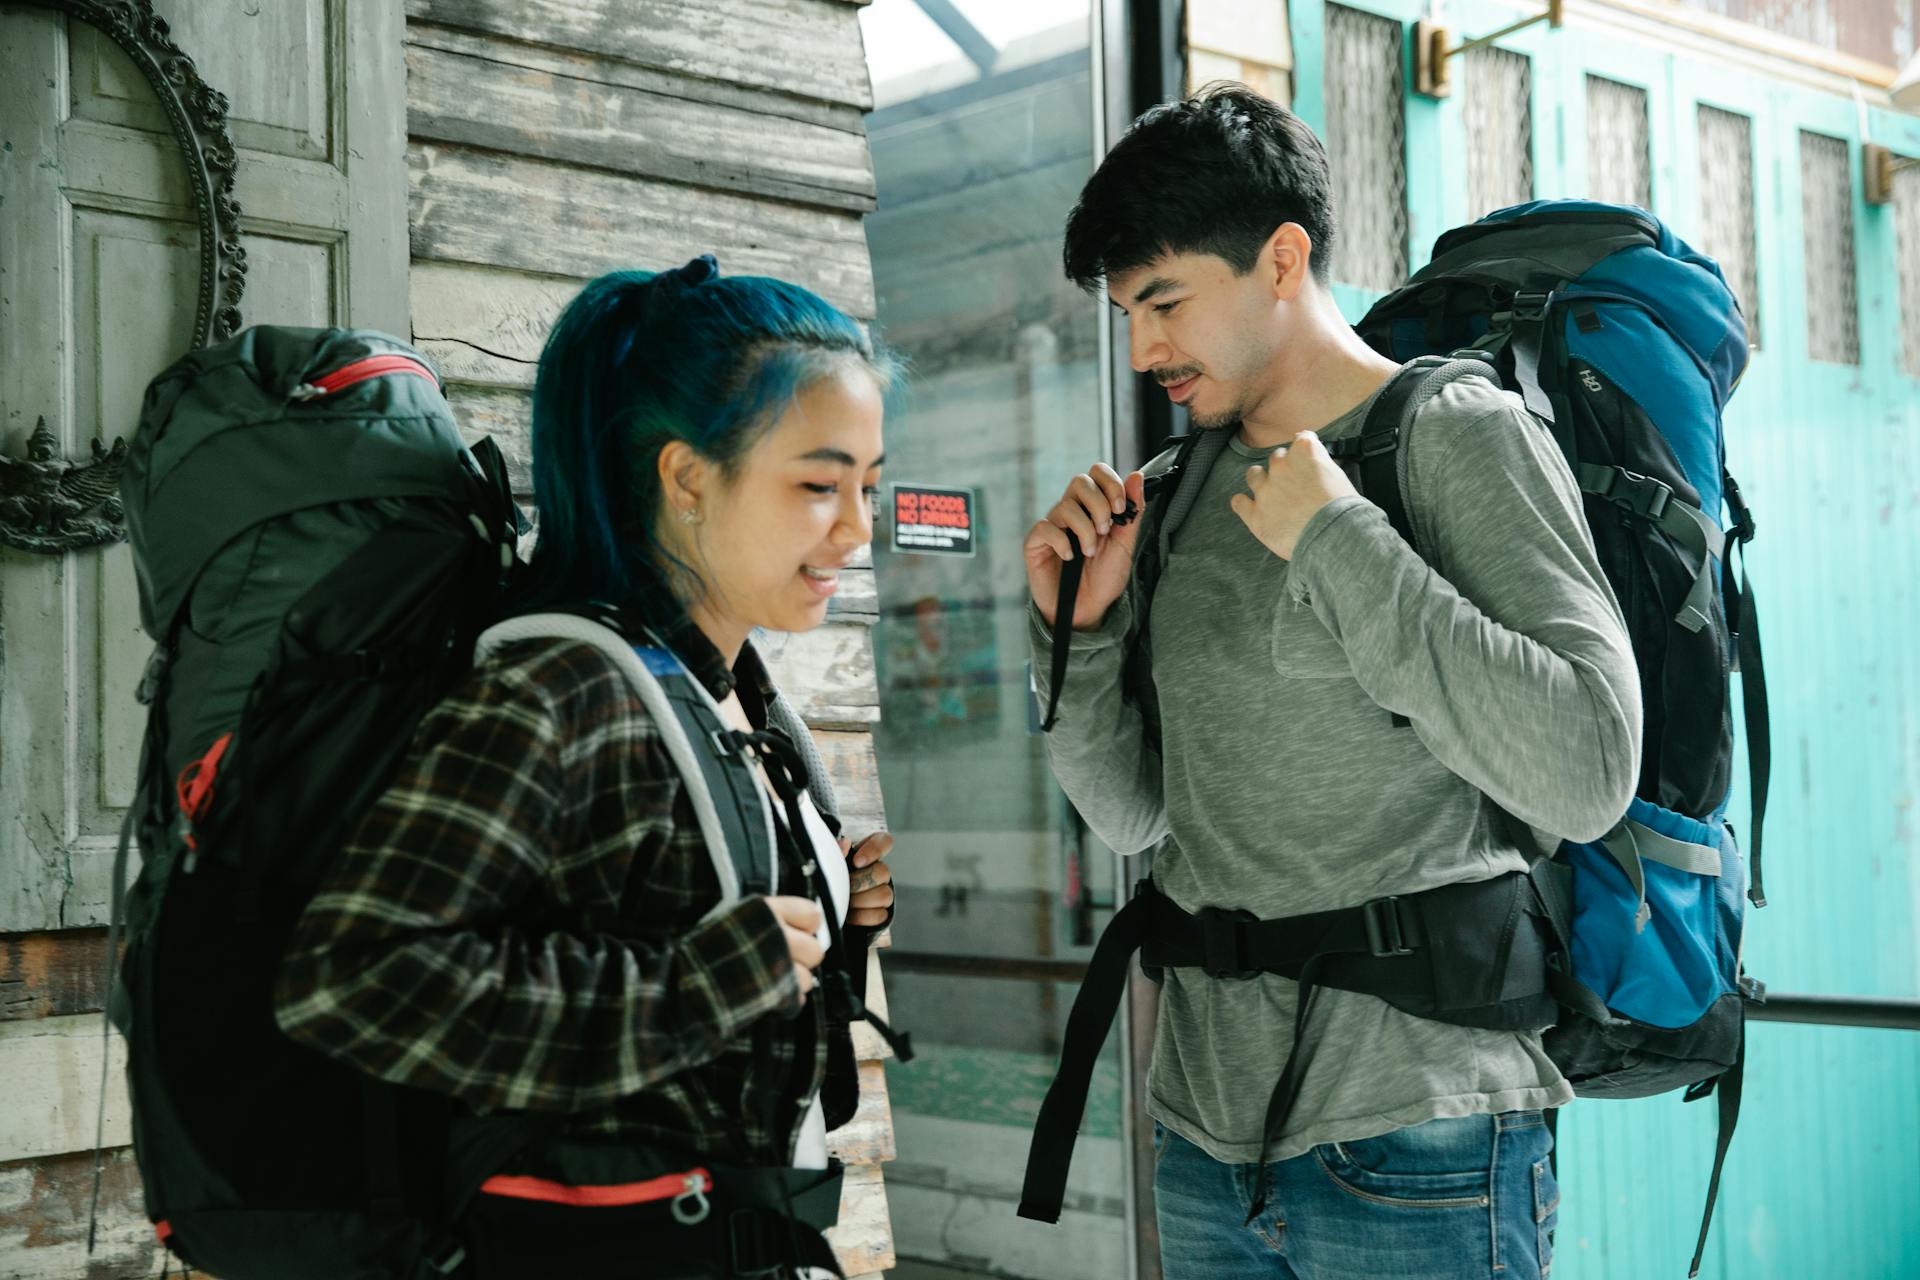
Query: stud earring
x=690, y=515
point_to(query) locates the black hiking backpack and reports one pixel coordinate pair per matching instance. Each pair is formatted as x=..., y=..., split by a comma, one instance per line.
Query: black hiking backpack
x=320, y=560
x=317, y=551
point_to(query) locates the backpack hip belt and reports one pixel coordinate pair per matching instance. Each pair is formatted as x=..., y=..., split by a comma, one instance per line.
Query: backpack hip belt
x=1478, y=955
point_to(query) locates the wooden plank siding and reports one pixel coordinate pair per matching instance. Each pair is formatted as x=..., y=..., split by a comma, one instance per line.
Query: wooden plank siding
x=552, y=140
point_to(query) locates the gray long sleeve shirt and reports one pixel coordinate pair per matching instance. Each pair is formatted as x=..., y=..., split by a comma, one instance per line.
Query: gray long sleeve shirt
x=1283, y=787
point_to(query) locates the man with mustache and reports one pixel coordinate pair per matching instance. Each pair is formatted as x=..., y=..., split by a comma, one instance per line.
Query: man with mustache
x=1331, y=719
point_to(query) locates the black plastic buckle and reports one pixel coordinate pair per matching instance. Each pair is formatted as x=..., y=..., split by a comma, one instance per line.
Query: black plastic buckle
x=753, y=1247
x=1531, y=304
x=1375, y=443
x=1742, y=531
x=1221, y=936
x=1642, y=495
x=1384, y=936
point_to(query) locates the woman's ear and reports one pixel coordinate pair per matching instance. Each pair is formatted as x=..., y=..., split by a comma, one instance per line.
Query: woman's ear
x=683, y=479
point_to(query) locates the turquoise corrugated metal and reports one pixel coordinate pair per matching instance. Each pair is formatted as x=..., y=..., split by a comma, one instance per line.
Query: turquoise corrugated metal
x=1824, y=1179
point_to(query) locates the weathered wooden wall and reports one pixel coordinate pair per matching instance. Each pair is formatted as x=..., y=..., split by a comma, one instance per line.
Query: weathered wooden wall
x=98, y=259
x=553, y=140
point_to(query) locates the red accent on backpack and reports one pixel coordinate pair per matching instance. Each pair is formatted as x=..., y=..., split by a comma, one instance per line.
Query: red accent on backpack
x=194, y=787
x=372, y=367
x=667, y=1187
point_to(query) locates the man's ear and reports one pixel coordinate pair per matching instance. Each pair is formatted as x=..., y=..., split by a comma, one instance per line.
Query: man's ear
x=1288, y=258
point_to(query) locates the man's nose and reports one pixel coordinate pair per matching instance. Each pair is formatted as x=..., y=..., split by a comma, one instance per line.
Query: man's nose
x=1145, y=347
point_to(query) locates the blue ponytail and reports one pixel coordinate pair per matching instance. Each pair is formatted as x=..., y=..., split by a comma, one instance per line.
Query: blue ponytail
x=640, y=359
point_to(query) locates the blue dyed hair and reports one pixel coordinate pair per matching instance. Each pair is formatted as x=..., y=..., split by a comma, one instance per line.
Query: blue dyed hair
x=640, y=359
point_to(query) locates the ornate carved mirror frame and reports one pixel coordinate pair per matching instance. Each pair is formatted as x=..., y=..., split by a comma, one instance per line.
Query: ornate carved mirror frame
x=50, y=506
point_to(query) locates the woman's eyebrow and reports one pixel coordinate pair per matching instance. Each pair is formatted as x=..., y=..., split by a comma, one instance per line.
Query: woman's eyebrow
x=840, y=456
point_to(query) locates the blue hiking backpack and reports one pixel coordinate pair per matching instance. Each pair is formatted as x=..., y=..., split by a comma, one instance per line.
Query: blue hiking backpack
x=1626, y=344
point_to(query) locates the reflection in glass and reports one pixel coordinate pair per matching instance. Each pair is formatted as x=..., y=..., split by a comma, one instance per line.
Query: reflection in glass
x=982, y=136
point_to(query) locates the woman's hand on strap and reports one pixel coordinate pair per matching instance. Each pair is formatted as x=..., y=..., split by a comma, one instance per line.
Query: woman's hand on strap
x=869, y=880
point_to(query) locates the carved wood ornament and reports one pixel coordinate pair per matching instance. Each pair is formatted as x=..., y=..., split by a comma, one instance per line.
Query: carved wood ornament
x=50, y=506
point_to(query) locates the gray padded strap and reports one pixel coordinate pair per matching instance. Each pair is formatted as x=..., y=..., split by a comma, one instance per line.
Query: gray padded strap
x=1206, y=451
x=782, y=716
x=673, y=735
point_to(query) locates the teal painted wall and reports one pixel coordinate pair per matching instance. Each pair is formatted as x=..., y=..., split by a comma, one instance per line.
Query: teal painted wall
x=1824, y=1179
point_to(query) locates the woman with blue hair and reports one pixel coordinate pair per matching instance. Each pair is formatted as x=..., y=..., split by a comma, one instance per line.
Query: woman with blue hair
x=538, y=919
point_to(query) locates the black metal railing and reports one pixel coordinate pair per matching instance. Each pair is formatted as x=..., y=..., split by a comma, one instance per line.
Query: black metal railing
x=1836, y=1011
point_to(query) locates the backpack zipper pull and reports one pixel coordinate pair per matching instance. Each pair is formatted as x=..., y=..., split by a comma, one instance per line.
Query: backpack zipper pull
x=691, y=1206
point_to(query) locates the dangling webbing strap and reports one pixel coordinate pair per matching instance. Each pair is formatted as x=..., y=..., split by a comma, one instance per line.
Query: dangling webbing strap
x=1728, y=1085
x=150, y=786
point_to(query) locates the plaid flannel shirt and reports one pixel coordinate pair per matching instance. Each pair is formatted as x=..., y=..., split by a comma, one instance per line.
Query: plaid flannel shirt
x=517, y=922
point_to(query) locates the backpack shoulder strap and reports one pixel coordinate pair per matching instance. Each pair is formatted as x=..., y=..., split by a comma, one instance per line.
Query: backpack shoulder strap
x=1162, y=475
x=739, y=832
x=1376, y=450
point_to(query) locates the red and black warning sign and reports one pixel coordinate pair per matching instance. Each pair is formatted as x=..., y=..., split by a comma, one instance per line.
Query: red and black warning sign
x=929, y=520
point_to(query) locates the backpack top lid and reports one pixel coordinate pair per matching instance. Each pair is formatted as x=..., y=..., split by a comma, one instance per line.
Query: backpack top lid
x=1640, y=259
x=235, y=434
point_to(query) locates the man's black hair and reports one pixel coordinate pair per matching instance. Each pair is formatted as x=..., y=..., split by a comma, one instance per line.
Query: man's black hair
x=1216, y=173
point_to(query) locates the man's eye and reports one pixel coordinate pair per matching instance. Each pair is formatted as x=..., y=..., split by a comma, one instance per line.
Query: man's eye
x=1165, y=308
x=820, y=488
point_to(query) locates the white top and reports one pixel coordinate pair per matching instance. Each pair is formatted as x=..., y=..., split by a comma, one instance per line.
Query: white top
x=811, y=1150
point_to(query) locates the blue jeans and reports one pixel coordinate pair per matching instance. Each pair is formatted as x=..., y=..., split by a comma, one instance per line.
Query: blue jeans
x=1445, y=1200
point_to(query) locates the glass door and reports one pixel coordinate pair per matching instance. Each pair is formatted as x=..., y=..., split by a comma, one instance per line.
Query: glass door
x=983, y=132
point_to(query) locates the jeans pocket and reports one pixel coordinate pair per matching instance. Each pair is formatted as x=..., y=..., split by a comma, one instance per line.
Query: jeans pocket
x=1442, y=1164
x=1546, y=1212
